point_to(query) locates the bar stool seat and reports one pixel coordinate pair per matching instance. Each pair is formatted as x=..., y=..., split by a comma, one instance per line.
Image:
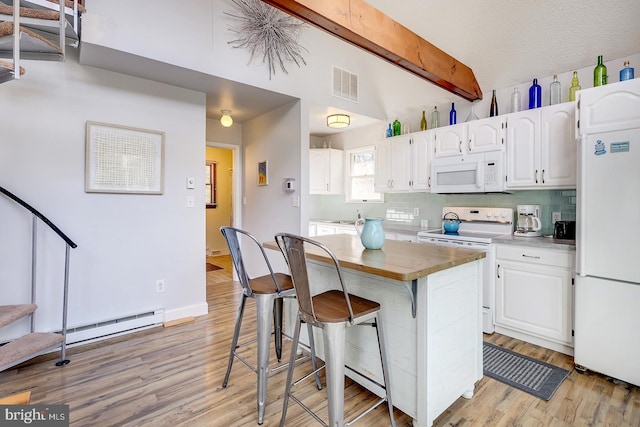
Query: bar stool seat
x=333, y=311
x=268, y=291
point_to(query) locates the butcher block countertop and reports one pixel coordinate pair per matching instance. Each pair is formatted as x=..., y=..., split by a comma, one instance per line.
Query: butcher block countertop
x=398, y=260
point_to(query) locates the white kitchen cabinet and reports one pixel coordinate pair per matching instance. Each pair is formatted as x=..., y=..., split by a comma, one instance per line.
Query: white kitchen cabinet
x=534, y=295
x=403, y=163
x=476, y=136
x=319, y=228
x=541, y=148
x=326, y=171
x=451, y=140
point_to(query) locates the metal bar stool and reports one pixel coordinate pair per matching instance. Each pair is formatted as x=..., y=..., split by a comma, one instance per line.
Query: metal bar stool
x=268, y=291
x=332, y=311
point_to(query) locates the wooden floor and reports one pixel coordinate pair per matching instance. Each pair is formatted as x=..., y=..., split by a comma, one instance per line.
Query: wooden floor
x=172, y=376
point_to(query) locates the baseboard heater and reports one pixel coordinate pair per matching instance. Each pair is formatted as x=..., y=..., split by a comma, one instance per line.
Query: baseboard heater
x=111, y=328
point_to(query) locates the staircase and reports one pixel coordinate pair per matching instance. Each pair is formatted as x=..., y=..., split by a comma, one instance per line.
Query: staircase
x=43, y=32
x=34, y=343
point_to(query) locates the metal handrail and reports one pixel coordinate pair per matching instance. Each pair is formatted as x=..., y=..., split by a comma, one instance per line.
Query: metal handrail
x=39, y=215
x=69, y=244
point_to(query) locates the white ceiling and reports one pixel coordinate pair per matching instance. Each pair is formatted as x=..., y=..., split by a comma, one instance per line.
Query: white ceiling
x=508, y=42
x=504, y=42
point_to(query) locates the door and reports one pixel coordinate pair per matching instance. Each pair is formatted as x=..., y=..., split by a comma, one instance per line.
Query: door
x=558, y=151
x=451, y=140
x=486, y=134
x=523, y=139
x=608, y=196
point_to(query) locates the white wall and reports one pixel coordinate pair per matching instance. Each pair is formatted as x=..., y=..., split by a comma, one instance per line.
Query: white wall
x=125, y=242
x=277, y=138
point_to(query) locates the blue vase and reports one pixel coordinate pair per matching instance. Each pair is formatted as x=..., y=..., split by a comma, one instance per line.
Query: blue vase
x=535, y=95
x=372, y=234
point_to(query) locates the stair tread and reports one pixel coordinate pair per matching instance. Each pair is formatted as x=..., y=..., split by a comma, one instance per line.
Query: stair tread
x=26, y=347
x=11, y=313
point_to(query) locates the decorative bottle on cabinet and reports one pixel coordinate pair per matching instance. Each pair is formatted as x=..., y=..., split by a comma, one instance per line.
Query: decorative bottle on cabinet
x=389, y=131
x=452, y=115
x=600, y=73
x=535, y=95
x=516, y=103
x=554, y=91
x=423, y=122
x=575, y=86
x=493, y=111
x=627, y=72
x=397, y=128
x=435, y=118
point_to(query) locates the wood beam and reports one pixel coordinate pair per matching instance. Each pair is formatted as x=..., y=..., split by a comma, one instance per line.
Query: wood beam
x=366, y=27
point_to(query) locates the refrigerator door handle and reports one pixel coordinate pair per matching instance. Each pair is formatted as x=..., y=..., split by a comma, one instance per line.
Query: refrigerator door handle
x=581, y=208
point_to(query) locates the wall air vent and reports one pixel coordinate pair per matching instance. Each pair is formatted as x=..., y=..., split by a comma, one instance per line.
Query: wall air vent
x=345, y=85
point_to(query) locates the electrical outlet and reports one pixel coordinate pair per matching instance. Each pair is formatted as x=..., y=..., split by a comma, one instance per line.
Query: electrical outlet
x=159, y=285
x=556, y=216
x=416, y=211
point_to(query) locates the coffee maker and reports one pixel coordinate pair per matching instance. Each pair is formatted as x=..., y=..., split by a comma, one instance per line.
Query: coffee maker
x=528, y=221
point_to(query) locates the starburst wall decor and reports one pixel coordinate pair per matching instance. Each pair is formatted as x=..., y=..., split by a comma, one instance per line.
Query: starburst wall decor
x=268, y=32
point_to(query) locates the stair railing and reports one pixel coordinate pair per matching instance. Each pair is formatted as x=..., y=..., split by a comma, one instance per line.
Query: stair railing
x=69, y=245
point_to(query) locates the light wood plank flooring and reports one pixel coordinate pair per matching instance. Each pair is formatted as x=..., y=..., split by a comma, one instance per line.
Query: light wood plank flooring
x=172, y=376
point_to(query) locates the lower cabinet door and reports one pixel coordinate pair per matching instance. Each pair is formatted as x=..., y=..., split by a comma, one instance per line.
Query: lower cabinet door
x=535, y=299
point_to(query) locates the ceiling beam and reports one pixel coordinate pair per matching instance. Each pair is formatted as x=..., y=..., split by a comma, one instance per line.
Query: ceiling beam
x=365, y=26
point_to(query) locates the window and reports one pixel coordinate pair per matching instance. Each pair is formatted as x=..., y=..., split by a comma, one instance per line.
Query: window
x=360, y=175
x=210, y=182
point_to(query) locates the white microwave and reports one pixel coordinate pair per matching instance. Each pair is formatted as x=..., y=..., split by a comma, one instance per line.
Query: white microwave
x=473, y=173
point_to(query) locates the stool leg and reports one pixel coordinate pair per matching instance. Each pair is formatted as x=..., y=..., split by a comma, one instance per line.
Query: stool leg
x=277, y=325
x=264, y=307
x=385, y=367
x=292, y=359
x=334, y=347
x=314, y=362
x=234, y=340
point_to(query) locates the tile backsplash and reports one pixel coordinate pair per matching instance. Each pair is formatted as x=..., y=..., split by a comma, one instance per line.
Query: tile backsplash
x=401, y=208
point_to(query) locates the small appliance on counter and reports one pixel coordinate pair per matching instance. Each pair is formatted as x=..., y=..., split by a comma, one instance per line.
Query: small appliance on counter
x=564, y=230
x=528, y=221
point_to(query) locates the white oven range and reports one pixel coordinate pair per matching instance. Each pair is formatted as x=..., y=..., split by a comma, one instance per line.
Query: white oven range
x=478, y=227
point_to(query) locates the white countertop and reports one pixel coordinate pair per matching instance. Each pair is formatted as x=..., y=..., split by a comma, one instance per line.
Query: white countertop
x=540, y=242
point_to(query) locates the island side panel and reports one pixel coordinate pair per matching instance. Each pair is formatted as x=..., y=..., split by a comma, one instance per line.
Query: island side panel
x=451, y=354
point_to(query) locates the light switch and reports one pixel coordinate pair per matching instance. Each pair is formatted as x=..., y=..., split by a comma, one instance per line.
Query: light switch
x=191, y=183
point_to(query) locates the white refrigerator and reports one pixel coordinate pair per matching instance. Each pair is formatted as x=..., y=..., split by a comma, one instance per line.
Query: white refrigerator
x=607, y=285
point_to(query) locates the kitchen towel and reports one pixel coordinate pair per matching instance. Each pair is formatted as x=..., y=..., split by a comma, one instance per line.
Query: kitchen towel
x=522, y=372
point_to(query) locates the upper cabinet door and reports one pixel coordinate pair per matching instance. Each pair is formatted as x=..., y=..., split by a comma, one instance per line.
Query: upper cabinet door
x=523, y=139
x=326, y=171
x=451, y=140
x=487, y=134
x=558, y=148
x=421, y=160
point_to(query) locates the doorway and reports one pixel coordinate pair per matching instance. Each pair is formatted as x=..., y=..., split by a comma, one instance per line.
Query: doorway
x=227, y=188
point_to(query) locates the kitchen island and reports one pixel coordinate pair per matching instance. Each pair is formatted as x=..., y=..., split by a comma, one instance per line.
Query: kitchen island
x=431, y=307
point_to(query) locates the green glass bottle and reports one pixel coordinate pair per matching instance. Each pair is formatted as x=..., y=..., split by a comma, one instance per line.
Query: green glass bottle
x=600, y=73
x=575, y=86
x=423, y=122
x=397, y=128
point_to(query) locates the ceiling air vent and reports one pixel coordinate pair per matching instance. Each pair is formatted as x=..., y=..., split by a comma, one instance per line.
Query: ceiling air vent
x=345, y=84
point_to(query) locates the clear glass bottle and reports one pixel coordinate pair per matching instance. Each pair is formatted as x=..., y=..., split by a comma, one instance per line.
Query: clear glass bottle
x=472, y=115
x=516, y=101
x=600, y=73
x=627, y=72
x=435, y=118
x=535, y=95
x=554, y=91
x=493, y=111
x=423, y=122
x=575, y=86
x=453, y=115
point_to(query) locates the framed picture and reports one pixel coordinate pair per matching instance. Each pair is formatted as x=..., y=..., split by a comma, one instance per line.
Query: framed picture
x=122, y=159
x=263, y=178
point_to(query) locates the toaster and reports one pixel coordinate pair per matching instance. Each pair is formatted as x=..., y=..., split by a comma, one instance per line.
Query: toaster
x=564, y=230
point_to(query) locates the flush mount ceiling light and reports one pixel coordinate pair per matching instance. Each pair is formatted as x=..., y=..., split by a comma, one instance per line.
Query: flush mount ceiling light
x=226, y=119
x=338, y=121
